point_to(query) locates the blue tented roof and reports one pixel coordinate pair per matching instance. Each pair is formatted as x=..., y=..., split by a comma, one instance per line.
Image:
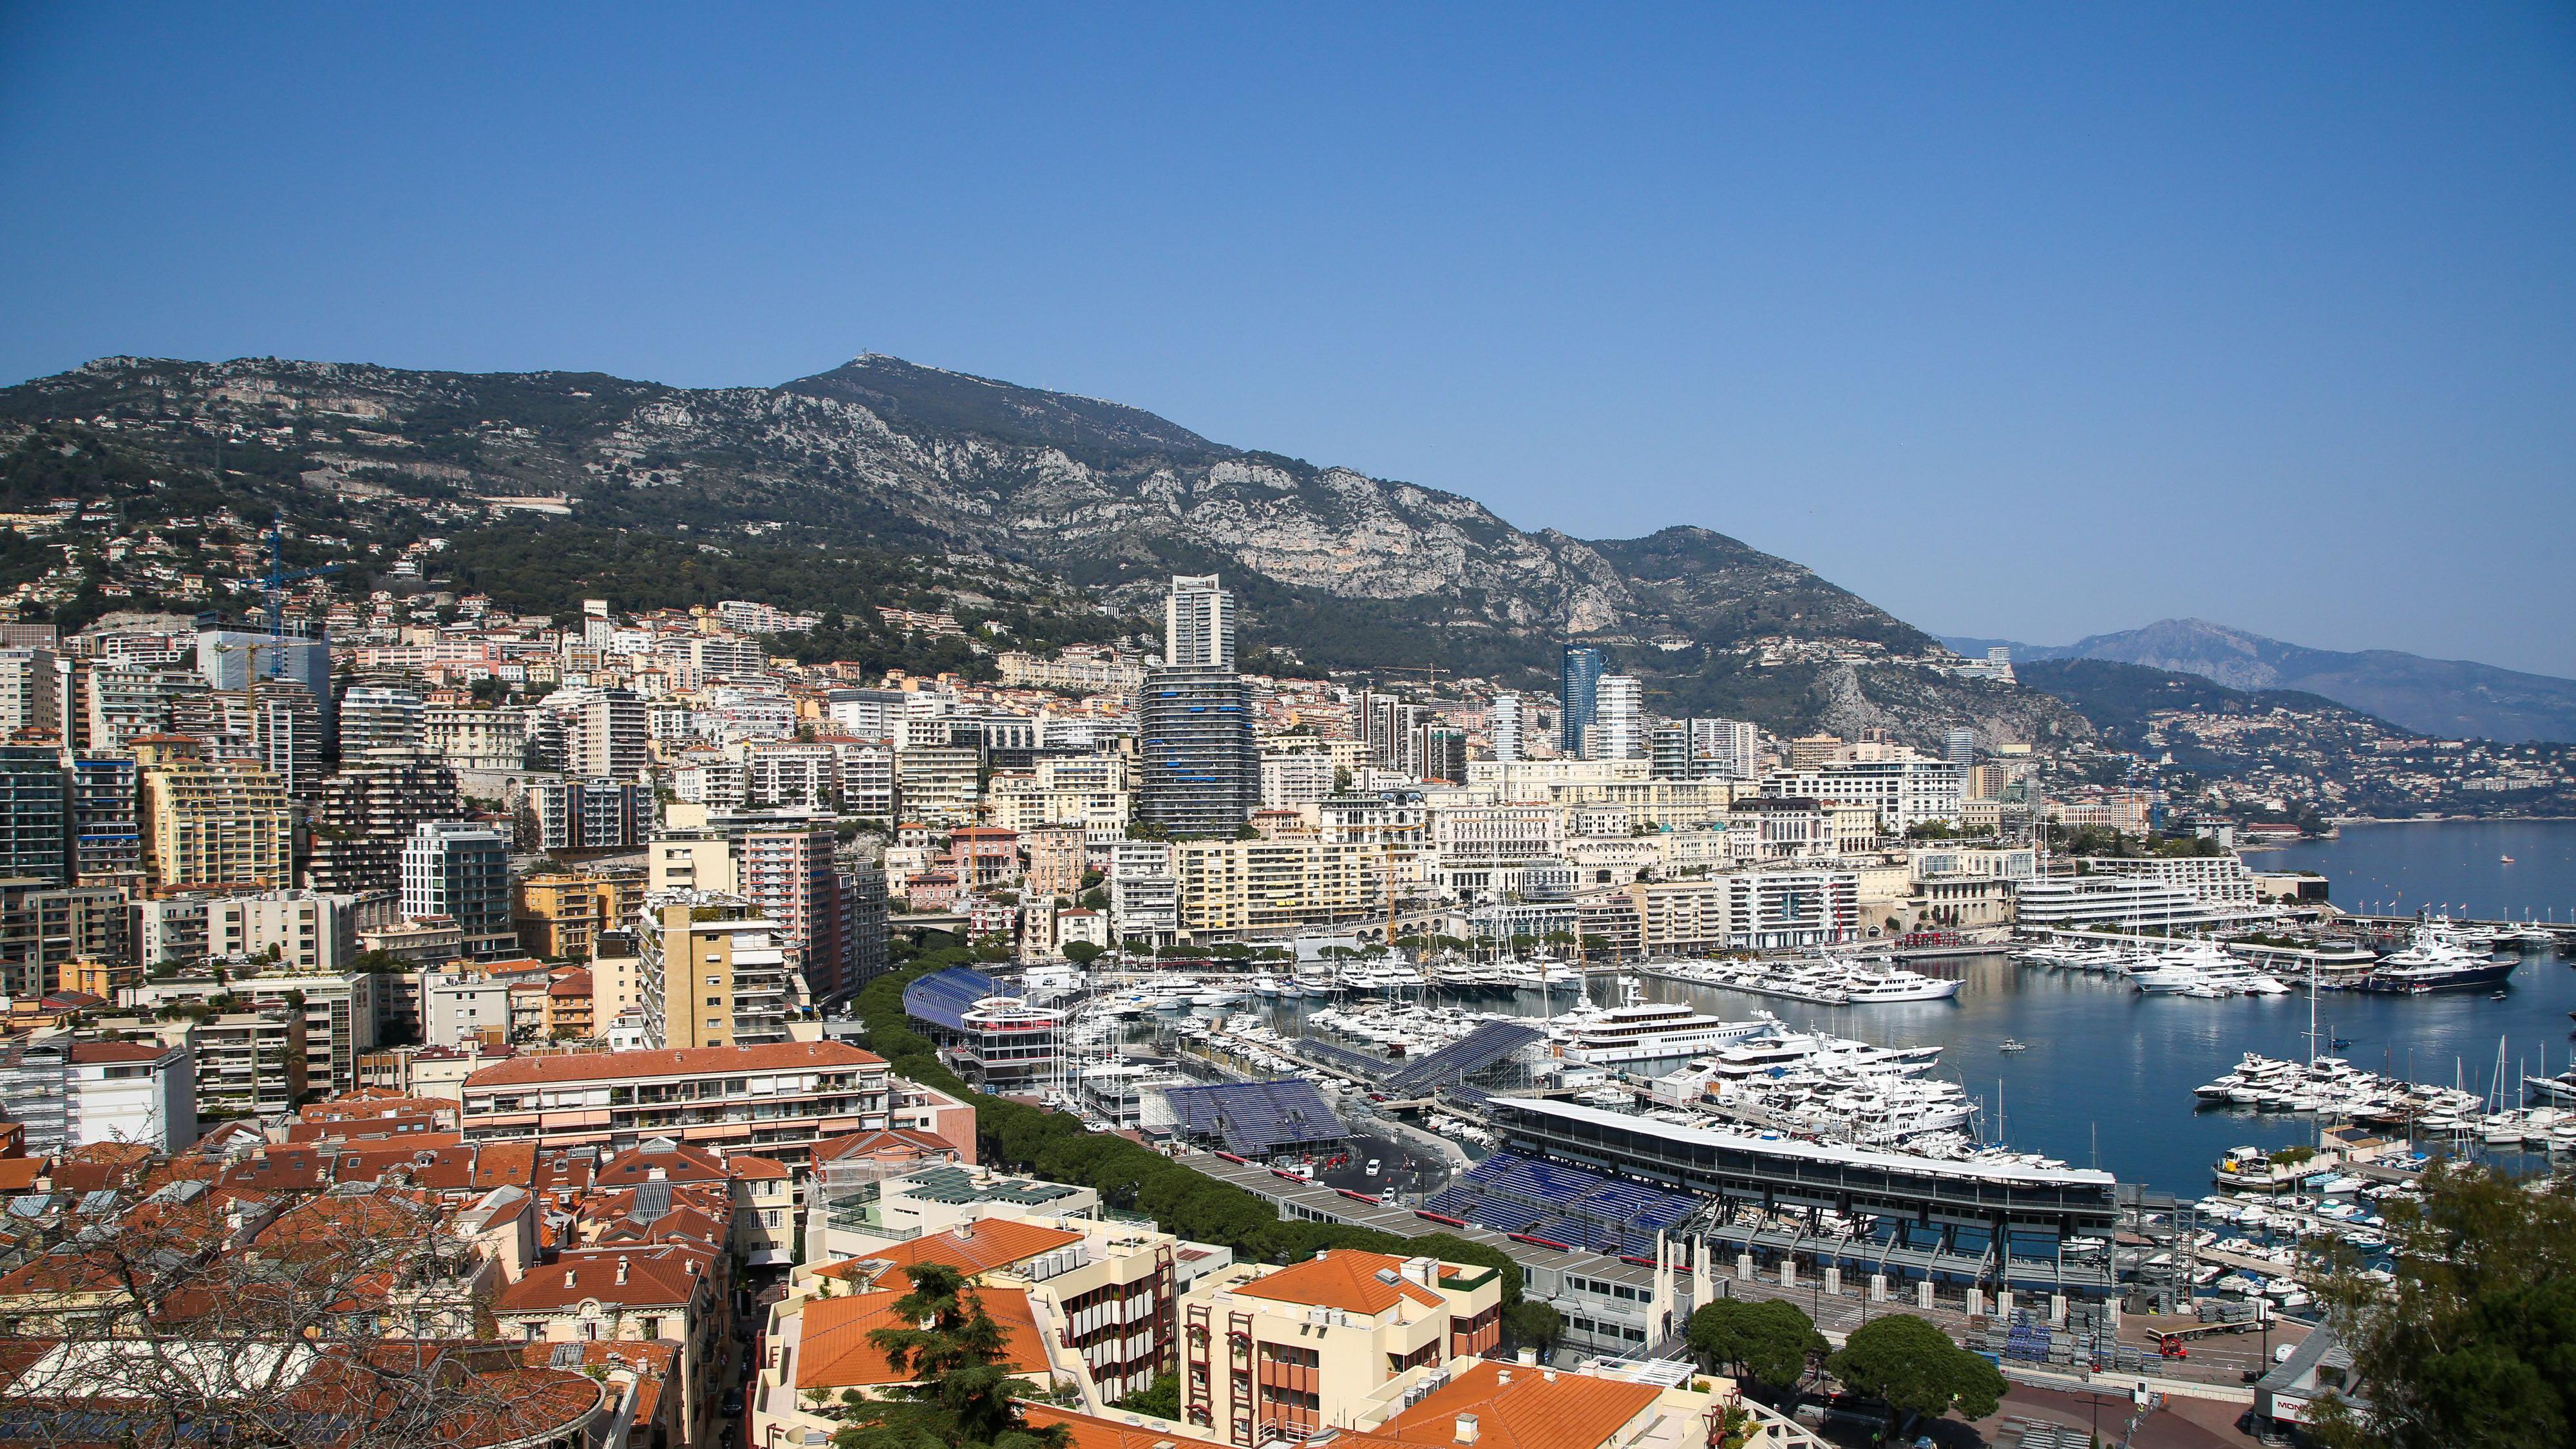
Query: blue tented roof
x=943, y=997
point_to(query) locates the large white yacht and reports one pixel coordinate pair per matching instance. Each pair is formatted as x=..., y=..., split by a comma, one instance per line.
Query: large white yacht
x=1865, y=985
x=1642, y=1032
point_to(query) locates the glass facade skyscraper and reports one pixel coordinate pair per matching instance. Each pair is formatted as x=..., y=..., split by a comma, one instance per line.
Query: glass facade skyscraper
x=1578, y=695
x=1198, y=770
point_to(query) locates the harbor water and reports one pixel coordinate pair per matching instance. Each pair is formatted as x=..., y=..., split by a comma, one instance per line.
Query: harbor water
x=2462, y=864
x=2107, y=1074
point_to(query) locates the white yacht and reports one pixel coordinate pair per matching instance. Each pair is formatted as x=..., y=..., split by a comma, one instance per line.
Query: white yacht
x=1649, y=1032
x=1896, y=984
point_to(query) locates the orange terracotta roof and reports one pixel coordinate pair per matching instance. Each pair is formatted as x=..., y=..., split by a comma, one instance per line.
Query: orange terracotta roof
x=834, y=1352
x=682, y=1163
x=747, y=1166
x=1573, y=1412
x=1343, y=1278
x=902, y=1141
x=18, y=1174
x=994, y=1243
x=686, y=1062
x=119, y=1051
x=663, y=1273
x=1576, y=1411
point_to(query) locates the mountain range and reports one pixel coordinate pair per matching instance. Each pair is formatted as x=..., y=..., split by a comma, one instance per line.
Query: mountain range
x=2448, y=698
x=1333, y=568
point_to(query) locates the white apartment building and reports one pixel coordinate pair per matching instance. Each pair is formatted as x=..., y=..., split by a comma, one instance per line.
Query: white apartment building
x=310, y=930
x=1904, y=792
x=1728, y=748
x=1198, y=624
x=1510, y=741
x=459, y=1005
x=2076, y=901
x=380, y=717
x=2219, y=882
x=1295, y=781
x=867, y=778
x=30, y=691
x=1622, y=718
x=788, y=774
x=130, y=1092
x=1770, y=910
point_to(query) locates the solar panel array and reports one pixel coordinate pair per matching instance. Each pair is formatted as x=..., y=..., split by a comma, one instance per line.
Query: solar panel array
x=1255, y=1119
x=942, y=998
x=1568, y=1205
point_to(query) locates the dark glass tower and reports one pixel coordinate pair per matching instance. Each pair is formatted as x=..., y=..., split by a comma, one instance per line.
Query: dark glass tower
x=1578, y=694
x=1199, y=772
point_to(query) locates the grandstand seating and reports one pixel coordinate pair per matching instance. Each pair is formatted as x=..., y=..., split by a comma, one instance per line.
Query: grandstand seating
x=1473, y=1052
x=1563, y=1204
x=1256, y=1119
x=943, y=998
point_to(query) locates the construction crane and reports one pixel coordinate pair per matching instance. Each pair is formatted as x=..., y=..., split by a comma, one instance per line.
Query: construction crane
x=272, y=590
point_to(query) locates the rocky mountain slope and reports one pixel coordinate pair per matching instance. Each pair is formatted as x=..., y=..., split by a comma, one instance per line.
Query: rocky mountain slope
x=2450, y=698
x=1346, y=571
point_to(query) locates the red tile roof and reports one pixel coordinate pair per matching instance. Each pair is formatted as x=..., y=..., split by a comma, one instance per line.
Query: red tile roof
x=982, y=1247
x=833, y=1351
x=685, y=1062
x=1344, y=1278
x=656, y=1275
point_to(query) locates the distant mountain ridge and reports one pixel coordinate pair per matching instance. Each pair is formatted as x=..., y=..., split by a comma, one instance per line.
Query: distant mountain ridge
x=2451, y=698
x=1349, y=571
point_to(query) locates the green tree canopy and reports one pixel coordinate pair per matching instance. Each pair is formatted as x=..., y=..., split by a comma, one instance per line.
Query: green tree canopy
x=1163, y=1400
x=959, y=1392
x=1767, y=1341
x=1914, y=1368
x=2474, y=1345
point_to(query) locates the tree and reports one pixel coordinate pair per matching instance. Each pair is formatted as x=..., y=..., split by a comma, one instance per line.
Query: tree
x=1914, y=1368
x=1163, y=1400
x=174, y=1333
x=957, y=1389
x=1767, y=1341
x=1532, y=1324
x=2474, y=1344
x=1081, y=953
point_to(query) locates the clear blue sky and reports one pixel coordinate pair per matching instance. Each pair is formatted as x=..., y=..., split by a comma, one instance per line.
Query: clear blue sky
x=2020, y=322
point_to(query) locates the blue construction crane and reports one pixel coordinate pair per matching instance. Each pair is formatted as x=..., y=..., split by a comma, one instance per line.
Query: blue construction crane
x=273, y=588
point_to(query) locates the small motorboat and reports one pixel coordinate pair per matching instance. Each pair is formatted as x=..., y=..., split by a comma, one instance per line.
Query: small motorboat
x=2010, y=1045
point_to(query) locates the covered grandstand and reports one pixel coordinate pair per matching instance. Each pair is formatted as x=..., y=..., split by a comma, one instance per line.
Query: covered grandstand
x=1487, y=1045
x=1561, y=1205
x=993, y=1039
x=2004, y=1224
x=1260, y=1120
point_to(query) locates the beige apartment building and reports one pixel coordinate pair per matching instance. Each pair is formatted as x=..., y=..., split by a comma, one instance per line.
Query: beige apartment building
x=714, y=971
x=774, y=1100
x=1233, y=887
x=212, y=822
x=1286, y=1353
